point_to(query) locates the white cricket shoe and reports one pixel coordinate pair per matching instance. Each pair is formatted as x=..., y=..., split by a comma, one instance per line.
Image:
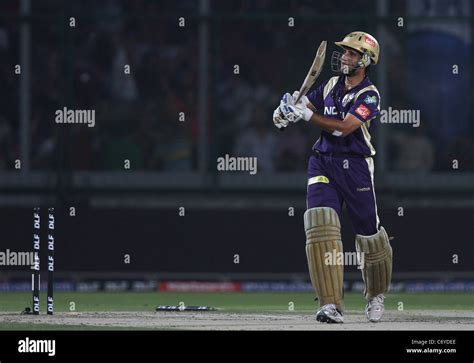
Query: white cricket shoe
x=375, y=308
x=329, y=313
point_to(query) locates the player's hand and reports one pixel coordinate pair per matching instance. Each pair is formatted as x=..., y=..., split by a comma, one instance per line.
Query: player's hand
x=287, y=105
x=298, y=112
x=279, y=119
x=302, y=101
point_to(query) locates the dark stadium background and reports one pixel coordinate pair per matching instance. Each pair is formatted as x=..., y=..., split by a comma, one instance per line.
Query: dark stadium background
x=190, y=70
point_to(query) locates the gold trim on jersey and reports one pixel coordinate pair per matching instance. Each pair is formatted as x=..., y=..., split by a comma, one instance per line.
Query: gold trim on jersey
x=370, y=164
x=329, y=86
x=367, y=137
x=365, y=126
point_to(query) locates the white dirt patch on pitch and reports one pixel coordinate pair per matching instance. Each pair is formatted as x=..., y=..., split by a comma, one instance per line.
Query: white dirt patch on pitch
x=219, y=320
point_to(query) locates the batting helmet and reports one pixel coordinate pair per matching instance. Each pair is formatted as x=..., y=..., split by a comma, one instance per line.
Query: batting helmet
x=363, y=43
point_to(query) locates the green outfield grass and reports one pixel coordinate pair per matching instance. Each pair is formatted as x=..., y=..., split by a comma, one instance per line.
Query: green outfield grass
x=14, y=303
x=230, y=302
x=42, y=327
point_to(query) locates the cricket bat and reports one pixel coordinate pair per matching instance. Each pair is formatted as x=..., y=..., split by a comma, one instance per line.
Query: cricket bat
x=313, y=72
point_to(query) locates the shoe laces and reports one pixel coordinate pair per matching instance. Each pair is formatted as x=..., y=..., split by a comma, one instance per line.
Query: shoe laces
x=332, y=308
x=377, y=300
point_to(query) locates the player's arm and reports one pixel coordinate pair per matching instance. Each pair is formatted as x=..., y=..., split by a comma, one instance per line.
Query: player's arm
x=336, y=127
x=311, y=106
x=364, y=109
x=307, y=111
x=315, y=101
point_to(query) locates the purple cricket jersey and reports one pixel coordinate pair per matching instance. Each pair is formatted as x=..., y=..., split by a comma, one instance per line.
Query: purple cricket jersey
x=363, y=101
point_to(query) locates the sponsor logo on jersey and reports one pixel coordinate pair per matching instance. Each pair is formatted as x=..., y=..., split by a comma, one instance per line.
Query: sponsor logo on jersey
x=363, y=111
x=330, y=110
x=318, y=179
x=370, y=99
x=347, y=98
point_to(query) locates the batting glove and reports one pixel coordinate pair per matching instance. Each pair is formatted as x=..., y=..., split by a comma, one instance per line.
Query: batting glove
x=298, y=112
x=287, y=104
x=303, y=100
x=279, y=119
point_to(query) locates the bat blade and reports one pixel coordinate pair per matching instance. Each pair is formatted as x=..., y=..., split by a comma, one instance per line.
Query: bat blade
x=314, y=71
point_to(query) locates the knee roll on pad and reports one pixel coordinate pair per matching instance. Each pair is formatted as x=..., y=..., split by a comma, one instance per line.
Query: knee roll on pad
x=377, y=267
x=323, y=236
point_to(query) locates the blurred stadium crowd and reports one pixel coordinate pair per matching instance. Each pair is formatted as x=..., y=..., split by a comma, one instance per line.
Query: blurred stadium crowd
x=137, y=113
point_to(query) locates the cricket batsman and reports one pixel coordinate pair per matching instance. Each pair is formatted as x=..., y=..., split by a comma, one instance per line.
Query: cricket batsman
x=341, y=171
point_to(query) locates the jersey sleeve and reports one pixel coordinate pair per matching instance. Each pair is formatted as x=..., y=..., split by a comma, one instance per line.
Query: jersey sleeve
x=366, y=107
x=316, y=97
